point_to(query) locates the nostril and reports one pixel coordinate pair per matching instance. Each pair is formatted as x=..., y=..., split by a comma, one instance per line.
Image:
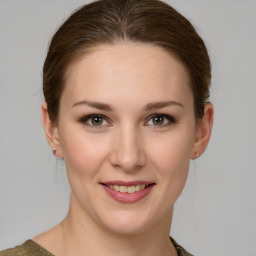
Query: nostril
x=127, y=156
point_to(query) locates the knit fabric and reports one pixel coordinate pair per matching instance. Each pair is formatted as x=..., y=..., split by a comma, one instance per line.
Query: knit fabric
x=30, y=248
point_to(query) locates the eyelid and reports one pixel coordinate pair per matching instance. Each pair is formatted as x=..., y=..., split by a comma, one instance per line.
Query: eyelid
x=171, y=119
x=84, y=120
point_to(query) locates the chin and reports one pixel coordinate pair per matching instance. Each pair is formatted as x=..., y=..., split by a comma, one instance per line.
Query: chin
x=126, y=229
x=127, y=223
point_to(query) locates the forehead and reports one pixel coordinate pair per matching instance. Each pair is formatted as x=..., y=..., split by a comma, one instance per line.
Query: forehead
x=110, y=72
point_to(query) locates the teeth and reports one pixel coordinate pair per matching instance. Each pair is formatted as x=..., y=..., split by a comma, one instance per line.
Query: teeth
x=142, y=186
x=123, y=189
x=127, y=189
x=116, y=187
x=137, y=188
x=131, y=189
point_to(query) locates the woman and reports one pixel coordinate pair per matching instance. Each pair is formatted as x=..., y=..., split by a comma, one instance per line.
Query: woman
x=126, y=84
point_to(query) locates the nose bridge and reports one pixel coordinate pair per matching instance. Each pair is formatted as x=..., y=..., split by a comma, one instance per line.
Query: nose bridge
x=128, y=152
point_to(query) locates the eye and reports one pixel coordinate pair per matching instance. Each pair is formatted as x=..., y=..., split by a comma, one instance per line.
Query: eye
x=161, y=120
x=95, y=120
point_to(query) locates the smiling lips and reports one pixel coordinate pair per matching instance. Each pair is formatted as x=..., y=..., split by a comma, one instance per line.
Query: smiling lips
x=128, y=189
x=128, y=192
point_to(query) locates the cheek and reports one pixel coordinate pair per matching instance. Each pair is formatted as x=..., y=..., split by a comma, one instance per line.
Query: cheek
x=83, y=153
x=171, y=157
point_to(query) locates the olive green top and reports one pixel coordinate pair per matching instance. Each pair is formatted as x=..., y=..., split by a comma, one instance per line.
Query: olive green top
x=30, y=248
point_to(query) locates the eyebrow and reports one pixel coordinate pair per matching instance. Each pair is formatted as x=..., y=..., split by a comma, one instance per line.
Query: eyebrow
x=162, y=104
x=148, y=107
x=93, y=104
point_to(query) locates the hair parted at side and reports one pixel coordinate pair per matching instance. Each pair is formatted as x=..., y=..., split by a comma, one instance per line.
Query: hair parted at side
x=113, y=21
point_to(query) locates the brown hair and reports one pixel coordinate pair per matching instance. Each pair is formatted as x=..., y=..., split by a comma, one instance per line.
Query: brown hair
x=112, y=21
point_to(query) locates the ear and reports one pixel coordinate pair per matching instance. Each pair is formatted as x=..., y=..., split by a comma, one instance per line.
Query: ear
x=203, y=131
x=51, y=131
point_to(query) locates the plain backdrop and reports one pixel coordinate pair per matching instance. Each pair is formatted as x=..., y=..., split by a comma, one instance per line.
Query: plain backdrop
x=215, y=214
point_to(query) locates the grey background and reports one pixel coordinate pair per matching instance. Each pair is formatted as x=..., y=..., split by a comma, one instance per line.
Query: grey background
x=216, y=213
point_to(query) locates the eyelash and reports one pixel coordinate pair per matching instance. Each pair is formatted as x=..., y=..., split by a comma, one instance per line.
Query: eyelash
x=171, y=120
x=88, y=117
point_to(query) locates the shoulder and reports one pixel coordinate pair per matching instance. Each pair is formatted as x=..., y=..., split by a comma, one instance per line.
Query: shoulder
x=29, y=248
x=180, y=250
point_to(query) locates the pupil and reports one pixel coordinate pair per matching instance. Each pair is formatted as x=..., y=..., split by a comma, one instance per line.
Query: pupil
x=158, y=120
x=97, y=120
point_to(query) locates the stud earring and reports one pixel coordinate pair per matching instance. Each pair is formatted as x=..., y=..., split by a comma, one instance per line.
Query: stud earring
x=54, y=151
x=197, y=155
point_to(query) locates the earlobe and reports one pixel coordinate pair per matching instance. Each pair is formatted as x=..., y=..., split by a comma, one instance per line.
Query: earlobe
x=203, y=132
x=51, y=131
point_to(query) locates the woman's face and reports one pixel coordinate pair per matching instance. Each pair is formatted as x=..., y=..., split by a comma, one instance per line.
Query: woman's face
x=127, y=120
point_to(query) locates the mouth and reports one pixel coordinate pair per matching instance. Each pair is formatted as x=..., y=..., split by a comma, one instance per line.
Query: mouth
x=129, y=189
x=128, y=192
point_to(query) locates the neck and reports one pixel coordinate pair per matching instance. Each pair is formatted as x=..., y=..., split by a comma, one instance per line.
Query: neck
x=81, y=234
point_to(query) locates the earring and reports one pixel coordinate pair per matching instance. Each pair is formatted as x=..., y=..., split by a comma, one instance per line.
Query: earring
x=54, y=151
x=197, y=155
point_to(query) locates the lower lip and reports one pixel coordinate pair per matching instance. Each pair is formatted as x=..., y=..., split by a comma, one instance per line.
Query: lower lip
x=128, y=198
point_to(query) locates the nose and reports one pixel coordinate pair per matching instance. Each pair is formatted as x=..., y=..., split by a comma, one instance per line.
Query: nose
x=127, y=150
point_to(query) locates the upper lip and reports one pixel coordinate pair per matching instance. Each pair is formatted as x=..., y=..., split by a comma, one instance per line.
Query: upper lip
x=127, y=183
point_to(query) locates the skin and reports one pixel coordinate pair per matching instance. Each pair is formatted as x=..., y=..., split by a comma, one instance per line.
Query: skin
x=127, y=146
